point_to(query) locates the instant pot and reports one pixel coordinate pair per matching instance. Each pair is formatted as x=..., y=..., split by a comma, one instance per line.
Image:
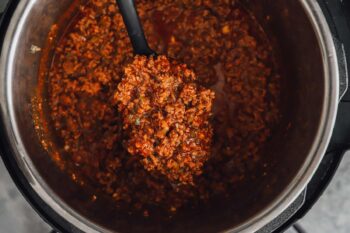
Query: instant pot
x=314, y=37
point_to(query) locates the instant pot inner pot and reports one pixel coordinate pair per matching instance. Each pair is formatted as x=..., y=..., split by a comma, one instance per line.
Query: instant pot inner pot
x=295, y=44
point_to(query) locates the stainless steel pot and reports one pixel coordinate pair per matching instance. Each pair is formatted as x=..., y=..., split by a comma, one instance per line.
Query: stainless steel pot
x=304, y=42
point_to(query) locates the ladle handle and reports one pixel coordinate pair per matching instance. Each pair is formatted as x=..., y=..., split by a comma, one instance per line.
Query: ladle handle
x=134, y=28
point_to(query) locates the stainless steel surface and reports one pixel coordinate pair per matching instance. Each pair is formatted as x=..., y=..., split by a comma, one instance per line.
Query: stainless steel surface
x=3, y=4
x=312, y=89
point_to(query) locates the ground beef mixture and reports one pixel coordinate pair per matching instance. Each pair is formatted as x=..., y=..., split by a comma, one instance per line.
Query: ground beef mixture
x=166, y=116
x=229, y=53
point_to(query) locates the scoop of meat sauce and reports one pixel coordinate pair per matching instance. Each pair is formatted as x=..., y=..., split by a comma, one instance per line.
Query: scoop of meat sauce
x=166, y=116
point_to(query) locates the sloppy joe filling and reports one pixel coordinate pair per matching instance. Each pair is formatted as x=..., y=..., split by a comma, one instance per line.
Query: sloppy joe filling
x=87, y=109
x=166, y=116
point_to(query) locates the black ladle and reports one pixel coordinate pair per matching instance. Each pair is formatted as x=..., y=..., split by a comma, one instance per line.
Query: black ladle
x=133, y=26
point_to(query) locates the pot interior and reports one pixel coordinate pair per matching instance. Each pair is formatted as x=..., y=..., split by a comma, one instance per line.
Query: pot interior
x=303, y=87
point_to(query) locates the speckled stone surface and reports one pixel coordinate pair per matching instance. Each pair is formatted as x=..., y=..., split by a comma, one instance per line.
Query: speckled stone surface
x=331, y=214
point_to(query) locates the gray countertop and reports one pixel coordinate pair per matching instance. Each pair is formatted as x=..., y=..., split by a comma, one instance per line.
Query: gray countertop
x=330, y=214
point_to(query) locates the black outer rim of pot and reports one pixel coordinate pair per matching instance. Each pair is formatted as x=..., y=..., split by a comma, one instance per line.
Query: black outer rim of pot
x=316, y=187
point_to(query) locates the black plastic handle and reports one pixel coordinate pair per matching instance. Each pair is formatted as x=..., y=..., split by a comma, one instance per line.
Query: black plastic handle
x=134, y=28
x=336, y=14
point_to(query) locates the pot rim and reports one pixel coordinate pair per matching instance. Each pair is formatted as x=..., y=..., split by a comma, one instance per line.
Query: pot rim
x=324, y=133
x=291, y=192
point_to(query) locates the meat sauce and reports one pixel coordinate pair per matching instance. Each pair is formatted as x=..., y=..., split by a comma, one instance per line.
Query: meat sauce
x=166, y=117
x=229, y=53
